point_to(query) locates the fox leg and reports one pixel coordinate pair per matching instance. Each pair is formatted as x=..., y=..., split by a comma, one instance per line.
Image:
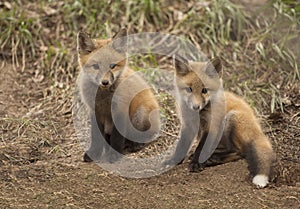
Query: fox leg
x=260, y=157
x=117, y=144
x=195, y=166
x=226, y=150
x=116, y=140
x=222, y=158
x=188, y=132
x=182, y=148
x=97, y=141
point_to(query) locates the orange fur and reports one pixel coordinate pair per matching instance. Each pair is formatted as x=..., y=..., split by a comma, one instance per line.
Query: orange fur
x=103, y=70
x=242, y=137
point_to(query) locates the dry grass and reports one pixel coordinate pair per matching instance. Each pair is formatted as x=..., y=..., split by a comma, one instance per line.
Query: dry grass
x=259, y=49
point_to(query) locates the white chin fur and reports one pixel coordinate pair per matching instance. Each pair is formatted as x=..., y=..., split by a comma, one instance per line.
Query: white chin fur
x=260, y=180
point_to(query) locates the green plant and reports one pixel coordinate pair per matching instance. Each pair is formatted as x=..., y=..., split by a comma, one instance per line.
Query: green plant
x=18, y=33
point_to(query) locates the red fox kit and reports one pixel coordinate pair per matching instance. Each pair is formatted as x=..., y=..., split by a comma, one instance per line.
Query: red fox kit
x=242, y=136
x=103, y=69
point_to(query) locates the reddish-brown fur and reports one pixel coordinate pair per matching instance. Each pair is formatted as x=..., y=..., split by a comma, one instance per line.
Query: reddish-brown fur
x=242, y=136
x=98, y=84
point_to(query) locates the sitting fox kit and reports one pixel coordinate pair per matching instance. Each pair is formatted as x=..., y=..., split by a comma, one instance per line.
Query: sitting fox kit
x=103, y=69
x=242, y=136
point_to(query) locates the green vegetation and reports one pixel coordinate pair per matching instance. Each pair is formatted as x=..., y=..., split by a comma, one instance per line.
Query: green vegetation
x=258, y=48
x=41, y=150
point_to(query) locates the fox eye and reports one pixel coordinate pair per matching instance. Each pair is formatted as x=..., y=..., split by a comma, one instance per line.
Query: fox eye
x=204, y=90
x=96, y=66
x=188, y=89
x=112, y=66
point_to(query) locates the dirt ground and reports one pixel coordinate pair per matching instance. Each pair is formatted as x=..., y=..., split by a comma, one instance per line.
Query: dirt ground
x=44, y=173
x=41, y=162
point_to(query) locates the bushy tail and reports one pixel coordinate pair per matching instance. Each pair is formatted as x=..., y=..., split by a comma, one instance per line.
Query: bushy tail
x=260, y=158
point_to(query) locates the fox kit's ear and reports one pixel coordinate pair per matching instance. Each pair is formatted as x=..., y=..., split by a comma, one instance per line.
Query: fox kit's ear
x=181, y=65
x=119, y=42
x=213, y=67
x=85, y=44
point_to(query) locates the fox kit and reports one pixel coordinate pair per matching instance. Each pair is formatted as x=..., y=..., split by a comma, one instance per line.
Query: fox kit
x=103, y=70
x=242, y=136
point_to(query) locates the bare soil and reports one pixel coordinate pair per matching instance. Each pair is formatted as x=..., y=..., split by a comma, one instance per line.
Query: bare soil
x=41, y=162
x=41, y=165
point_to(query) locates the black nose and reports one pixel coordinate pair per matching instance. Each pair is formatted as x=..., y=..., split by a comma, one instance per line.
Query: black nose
x=105, y=82
x=196, y=107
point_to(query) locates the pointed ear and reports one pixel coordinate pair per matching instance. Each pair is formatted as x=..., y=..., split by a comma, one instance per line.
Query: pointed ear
x=181, y=65
x=85, y=44
x=119, y=42
x=213, y=67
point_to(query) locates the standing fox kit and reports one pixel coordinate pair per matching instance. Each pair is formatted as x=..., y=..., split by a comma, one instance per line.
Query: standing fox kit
x=103, y=69
x=242, y=136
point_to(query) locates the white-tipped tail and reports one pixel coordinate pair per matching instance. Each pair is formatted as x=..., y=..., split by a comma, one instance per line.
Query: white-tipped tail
x=260, y=180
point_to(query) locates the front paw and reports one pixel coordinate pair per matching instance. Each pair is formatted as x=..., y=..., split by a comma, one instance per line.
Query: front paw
x=90, y=156
x=195, y=166
x=191, y=157
x=86, y=158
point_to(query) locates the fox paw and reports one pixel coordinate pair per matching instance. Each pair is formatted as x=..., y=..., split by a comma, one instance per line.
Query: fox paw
x=86, y=158
x=196, y=167
x=91, y=157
